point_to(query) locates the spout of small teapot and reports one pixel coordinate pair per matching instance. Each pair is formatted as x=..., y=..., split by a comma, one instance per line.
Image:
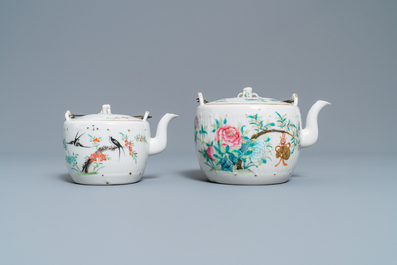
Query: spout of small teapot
x=309, y=135
x=158, y=143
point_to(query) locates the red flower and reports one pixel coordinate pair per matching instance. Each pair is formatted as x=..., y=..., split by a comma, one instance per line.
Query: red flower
x=230, y=136
x=95, y=156
x=210, y=152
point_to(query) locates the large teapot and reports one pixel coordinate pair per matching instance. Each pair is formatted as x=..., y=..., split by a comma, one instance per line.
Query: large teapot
x=108, y=148
x=252, y=140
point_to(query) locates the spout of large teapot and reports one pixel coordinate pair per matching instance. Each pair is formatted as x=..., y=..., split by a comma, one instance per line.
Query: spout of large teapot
x=309, y=135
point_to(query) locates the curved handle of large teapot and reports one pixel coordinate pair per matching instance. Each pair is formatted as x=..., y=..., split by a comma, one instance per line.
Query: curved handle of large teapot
x=67, y=115
x=201, y=98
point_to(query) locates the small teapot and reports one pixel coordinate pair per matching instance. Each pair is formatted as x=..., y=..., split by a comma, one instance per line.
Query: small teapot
x=106, y=148
x=252, y=140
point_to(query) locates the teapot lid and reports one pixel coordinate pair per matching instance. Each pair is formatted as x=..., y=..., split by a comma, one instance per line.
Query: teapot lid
x=105, y=115
x=247, y=97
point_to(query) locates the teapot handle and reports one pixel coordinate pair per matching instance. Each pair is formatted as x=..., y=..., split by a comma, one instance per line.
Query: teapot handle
x=67, y=115
x=146, y=116
x=293, y=100
x=200, y=99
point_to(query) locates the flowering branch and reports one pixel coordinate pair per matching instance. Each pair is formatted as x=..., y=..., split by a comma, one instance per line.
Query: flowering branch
x=256, y=136
x=100, y=150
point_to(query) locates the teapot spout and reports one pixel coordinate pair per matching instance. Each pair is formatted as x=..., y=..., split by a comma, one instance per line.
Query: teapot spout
x=309, y=135
x=158, y=143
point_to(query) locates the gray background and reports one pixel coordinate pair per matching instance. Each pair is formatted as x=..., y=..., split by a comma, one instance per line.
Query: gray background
x=339, y=206
x=156, y=56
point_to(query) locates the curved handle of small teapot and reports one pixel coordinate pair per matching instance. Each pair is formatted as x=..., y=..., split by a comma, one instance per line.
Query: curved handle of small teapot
x=146, y=116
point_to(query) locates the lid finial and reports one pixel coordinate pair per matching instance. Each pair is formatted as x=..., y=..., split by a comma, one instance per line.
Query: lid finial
x=247, y=92
x=106, y=109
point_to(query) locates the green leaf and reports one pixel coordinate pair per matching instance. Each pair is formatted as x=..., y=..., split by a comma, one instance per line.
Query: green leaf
x=224, y=122
x=242, y=129
x=217, y=123
x=214, y=130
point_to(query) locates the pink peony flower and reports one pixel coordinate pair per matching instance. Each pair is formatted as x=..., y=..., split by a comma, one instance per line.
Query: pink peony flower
x=210, y=152
x=229, y=134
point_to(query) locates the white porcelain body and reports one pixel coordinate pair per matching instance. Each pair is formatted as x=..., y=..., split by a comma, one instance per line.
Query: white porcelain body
x=261, y=166
x=121, y=166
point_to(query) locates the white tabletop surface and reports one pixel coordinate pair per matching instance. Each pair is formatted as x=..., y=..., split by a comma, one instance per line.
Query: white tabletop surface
x=336, y=209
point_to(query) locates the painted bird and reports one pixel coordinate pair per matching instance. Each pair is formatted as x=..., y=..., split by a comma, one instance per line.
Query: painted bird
x=76, y=140
x=117, y=144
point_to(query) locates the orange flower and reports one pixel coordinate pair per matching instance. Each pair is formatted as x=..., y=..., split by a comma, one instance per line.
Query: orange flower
x=126, y=141
x=95, y=156
x=96, y=140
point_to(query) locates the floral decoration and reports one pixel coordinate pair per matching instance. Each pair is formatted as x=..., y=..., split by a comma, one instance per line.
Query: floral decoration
x=96, y=161
x=129, y=144
x=140, y=138
x=235, y=149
